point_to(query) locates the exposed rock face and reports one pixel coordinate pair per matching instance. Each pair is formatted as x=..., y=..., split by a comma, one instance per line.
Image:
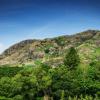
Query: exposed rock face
x=31, y=50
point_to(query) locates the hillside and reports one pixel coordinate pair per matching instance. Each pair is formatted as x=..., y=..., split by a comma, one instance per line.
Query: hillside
x=53, y=50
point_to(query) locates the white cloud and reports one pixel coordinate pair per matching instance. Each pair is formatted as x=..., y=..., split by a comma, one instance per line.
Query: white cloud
x=1, y=48
x=1, y=45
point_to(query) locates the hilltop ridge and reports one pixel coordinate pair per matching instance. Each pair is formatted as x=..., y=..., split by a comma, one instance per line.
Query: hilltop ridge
x=32, y=49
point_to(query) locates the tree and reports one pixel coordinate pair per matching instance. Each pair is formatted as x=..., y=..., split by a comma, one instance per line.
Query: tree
x=72, y=58
x=46, y=50
x=62, y=81
x=60, y=41
x=28, y=81
x=44, y=80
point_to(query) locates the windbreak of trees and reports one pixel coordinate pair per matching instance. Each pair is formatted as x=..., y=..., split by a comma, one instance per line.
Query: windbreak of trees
x=43, y=82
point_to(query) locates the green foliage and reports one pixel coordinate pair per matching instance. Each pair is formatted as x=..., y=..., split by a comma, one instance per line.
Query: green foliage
x=9, y=71
x=18, y=97
x=47, y=50
x=72, y=59
x=42, y=81
x=83, y=98
x=63, y=95
x=95, y=66
x=60, y=41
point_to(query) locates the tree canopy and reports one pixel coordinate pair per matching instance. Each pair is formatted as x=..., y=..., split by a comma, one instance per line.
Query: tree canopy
x=72, y=58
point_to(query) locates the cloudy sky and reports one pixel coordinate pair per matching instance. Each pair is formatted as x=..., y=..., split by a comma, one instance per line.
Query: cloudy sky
x=29, y=19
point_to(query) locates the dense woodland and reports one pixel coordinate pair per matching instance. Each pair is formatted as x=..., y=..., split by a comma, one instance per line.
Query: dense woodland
x=67, y=81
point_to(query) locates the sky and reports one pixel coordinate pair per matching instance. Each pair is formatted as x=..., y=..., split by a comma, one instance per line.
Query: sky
x=39, y=19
